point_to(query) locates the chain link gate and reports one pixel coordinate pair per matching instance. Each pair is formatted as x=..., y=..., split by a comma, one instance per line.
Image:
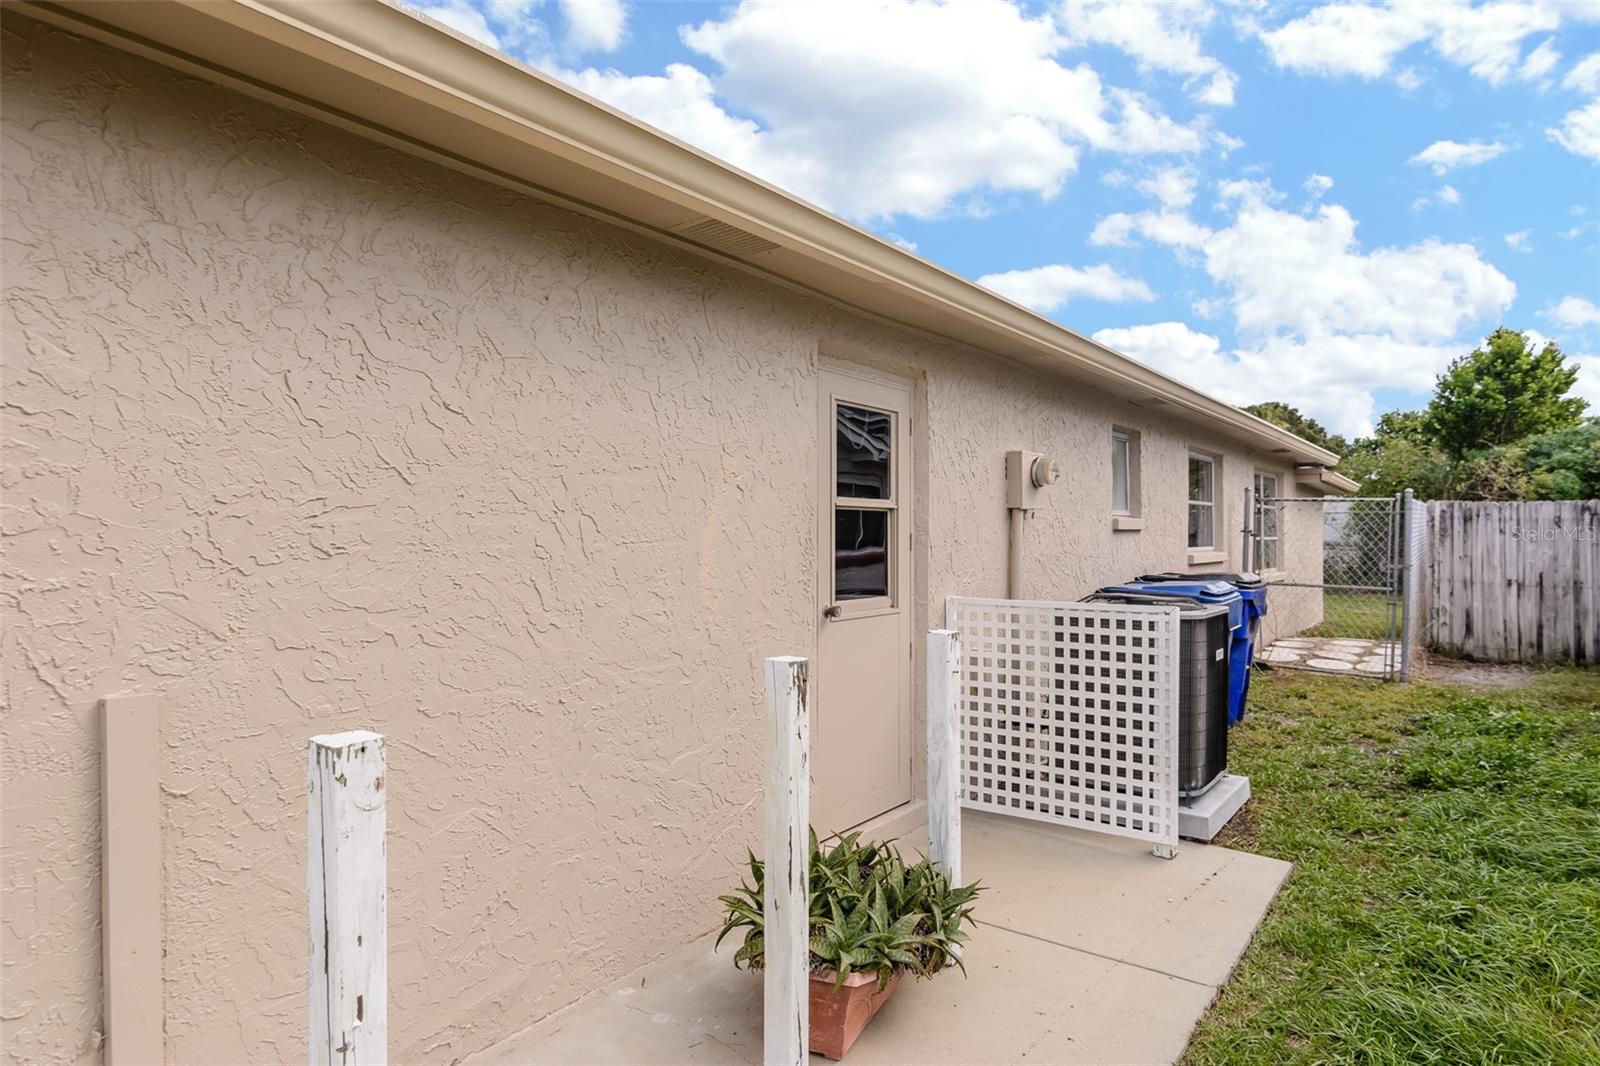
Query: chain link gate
x=1353, y=603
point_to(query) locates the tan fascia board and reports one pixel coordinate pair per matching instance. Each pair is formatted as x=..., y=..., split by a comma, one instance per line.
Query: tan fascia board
x=1321, y=479
x=379, y=53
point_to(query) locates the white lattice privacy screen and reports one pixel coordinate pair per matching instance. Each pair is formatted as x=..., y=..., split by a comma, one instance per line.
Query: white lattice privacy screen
x=1069, y=714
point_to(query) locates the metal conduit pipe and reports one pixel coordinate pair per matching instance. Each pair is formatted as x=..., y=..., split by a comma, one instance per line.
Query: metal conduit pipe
x=1014, y=557
x=1026, y=474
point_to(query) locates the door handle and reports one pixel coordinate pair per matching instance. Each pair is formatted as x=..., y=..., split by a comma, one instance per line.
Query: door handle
x=831, y=611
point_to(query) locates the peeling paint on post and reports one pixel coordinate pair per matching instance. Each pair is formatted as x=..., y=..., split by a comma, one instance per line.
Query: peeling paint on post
x=944, y=751
x=785, y=906
x=347, y=886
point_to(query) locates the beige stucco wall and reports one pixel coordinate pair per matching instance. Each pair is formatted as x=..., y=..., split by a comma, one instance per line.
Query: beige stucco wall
x=302, y=435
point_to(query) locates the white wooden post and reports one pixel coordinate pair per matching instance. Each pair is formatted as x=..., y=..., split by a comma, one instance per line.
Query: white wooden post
x=944, y=751
x=786, y=907
x=130, y=879
x=346, y=881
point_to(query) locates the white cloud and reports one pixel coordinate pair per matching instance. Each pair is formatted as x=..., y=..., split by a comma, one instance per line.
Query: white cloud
x=1320, y=320
x=1174, y=187
x=1115, y=229
x=595, y=24
x=1364, y=40
x=1445, y=156
x=1569, y=234
x=1447, y=196
x=463, y=18
x=1579, y=132
x=1520, y=241
x=508, y=26
x=1584, y=75
x=1408, y=79
x=1588, y=384
x=971, y=101
x=1172, y=348
x=1318, y=184
x=1048, y=288
x=1159, y=36
x=1539, y=62
x=1574, y=312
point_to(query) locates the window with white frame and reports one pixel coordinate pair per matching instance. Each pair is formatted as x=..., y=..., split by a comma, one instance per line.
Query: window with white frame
x=1202, y=501
x=1124, y=472
x=1268, y=523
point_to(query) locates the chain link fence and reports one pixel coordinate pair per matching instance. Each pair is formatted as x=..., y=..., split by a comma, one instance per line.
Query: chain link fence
x=1359, y=600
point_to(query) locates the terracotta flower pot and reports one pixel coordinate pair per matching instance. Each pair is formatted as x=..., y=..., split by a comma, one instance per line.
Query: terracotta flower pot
x=839, y=1014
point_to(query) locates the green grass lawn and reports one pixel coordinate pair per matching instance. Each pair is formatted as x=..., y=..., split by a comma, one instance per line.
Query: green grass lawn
x=1363, y=615
x=1445, y=903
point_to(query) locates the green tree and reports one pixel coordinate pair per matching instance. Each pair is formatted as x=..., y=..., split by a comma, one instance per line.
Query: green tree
x=1403, y=425
x=1302, y=426
x=1385, y=465
x=1400, y=454
x=1563, y=464
x=1501, y=393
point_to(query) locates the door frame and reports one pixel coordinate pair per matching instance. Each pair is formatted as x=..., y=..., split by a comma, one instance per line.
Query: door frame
x=902, y=391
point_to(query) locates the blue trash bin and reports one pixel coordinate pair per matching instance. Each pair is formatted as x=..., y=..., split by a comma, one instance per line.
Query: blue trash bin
x=1253, y=594
x=1206, y=589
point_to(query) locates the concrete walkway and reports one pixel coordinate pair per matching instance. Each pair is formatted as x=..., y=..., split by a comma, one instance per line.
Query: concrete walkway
x=1090, y=950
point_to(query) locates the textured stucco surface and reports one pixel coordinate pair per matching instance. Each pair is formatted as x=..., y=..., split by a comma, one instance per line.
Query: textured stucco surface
x=305, y=435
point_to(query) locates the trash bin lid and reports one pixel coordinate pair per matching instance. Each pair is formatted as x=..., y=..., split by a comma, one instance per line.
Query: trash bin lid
x=1203, y=587
x=1241, y=578
x=1186, y=607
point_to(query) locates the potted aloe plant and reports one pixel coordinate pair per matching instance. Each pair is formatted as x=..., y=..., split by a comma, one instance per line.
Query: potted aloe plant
x=873, y=919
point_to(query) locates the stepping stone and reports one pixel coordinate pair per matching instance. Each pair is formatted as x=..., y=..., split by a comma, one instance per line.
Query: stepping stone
x=1372, y=666
x=1347, y=656
x=1330, y=664
x=1280, y=655
x=1294, y=644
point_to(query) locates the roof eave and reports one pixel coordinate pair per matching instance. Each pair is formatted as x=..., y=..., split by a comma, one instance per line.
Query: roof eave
x=355, y=63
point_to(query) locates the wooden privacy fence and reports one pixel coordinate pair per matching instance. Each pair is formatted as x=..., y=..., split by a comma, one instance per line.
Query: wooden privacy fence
x=1513, y=582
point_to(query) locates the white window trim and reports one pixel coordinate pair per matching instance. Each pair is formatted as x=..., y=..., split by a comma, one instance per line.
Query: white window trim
x=1132, y=519
x=1211, y=461
x=1121, y=436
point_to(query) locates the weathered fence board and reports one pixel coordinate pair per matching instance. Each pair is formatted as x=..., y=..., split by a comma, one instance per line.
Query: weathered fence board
x=1514, y=581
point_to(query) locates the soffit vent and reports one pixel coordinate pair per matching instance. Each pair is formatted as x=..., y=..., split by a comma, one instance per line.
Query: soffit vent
x=719, y=236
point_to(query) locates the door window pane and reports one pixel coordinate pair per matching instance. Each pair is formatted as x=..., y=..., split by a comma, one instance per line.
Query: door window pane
x=863, y=452
x=1268, y=509
x=860, y=553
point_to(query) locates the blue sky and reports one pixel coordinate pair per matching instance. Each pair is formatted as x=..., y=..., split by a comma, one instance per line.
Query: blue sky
x=1320, y=204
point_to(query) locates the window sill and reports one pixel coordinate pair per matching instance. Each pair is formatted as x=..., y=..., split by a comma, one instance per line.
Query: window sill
x=1272, y=575
x=1126, y=523
x=1204, y=556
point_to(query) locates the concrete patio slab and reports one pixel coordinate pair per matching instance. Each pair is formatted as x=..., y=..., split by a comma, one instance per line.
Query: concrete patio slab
x=1089, y=950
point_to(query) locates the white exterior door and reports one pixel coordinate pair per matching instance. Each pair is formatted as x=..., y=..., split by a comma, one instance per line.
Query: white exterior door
x=861, y=725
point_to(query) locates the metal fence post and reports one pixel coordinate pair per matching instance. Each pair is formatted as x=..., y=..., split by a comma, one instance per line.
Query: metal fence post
x=1245, y=562
x=1411, y=598
x=944, y=752
x=786, y=908
x=347, y=888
